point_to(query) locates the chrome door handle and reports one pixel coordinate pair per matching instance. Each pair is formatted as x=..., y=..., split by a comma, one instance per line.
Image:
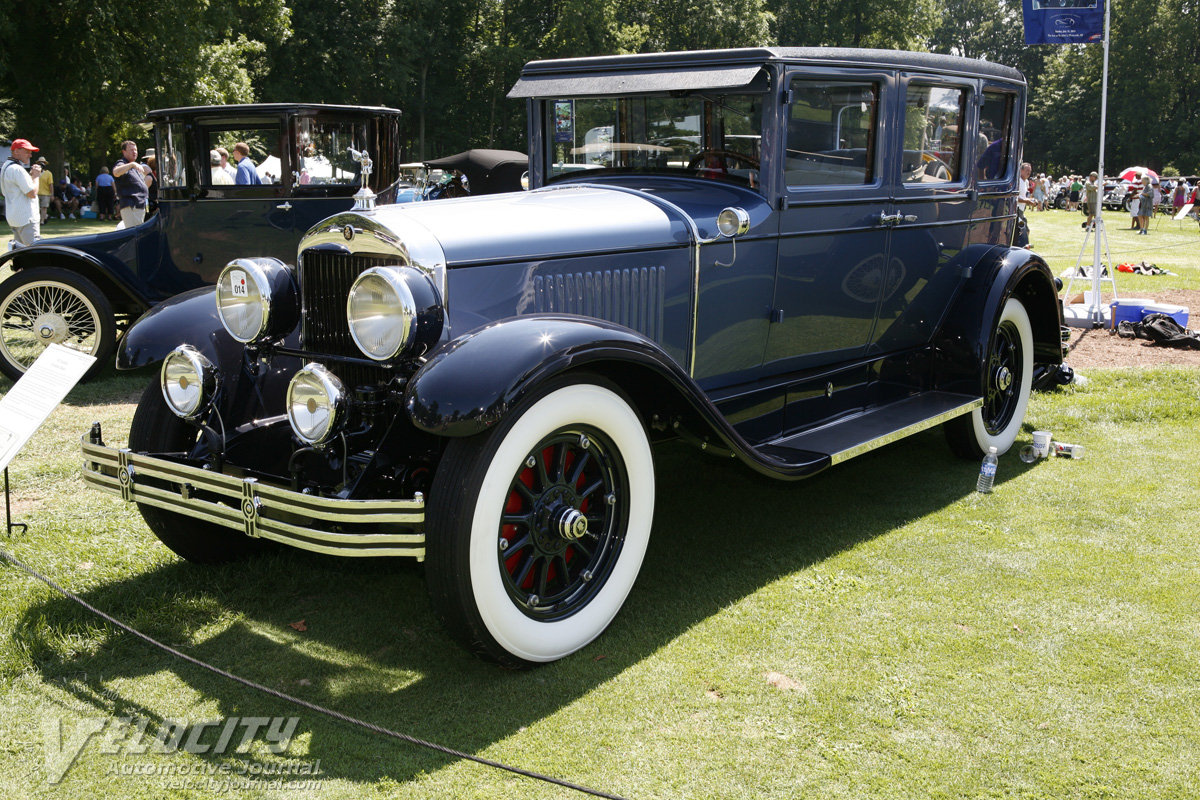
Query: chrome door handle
x=285, y=206
x=896, y=219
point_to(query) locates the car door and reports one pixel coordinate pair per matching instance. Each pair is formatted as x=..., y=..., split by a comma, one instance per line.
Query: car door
x=934, y=209
x=223, y=221
x=833, y=239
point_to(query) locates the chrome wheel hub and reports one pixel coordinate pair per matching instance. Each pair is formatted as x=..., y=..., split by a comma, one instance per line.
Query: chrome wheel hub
x=1004, y=379
x=51, y=328
x=572, y=525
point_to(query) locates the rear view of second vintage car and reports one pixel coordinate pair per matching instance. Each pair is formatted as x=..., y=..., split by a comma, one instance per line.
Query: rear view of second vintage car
x=785, y=256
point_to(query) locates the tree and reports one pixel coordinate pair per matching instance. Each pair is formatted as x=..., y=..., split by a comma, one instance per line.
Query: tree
x=889, y=24
x=80, y=78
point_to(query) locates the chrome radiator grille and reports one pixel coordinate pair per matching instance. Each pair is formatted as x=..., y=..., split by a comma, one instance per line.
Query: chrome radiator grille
x=325, y=281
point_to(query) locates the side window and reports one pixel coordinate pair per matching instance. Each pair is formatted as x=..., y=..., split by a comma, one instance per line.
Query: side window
x=995, y=137
x=934, y=118
x=264, y=153
x=169, y=158
x=831, y=133
x=323, y=152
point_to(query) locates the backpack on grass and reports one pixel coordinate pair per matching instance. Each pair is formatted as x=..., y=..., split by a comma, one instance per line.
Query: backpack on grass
x=1160, y=329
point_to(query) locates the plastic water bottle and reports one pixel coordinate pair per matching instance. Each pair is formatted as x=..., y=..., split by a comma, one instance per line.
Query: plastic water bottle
x=987, y=472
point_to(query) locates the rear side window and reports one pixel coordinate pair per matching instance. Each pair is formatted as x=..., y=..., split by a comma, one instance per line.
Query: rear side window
x=831, y=133
x=995, y=137
x=262, y=140
x=934, y=121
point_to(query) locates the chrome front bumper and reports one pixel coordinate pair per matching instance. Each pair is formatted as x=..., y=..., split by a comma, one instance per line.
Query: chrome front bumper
x=321, y=524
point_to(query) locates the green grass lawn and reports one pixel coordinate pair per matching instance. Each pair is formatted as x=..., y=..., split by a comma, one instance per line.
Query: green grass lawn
x=880, y=631
x=1171, y=245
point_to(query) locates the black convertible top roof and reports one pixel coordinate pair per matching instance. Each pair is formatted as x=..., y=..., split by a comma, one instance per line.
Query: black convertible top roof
x=722, y=69
x=264, y=108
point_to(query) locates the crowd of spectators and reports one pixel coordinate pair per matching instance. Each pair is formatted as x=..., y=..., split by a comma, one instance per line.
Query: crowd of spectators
x=76, y=197
x=1142, y=197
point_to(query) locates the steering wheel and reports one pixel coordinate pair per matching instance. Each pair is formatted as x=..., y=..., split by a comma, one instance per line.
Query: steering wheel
x=718, y=160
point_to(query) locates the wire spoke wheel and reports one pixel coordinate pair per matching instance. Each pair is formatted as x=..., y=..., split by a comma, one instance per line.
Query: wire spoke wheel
x=41, y=307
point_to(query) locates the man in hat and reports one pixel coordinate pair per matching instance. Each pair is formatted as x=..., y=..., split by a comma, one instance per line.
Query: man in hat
x=45, y=188
x=1092, y=193
x=219, y=176
x=18, y=182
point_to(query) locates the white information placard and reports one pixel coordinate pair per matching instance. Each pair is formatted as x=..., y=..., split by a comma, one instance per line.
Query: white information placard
x=40, y=390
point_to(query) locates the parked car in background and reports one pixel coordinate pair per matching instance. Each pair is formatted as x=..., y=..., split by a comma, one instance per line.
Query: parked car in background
x=759, y=252
x=475, y=172
x=83, y=291
x=1118, y=195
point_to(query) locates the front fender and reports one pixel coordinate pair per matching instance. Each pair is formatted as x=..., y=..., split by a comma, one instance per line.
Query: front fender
x=469, y=384
x=188, y=318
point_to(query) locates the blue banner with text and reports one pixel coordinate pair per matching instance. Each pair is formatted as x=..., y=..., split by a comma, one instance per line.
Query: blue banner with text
x=1063, y=21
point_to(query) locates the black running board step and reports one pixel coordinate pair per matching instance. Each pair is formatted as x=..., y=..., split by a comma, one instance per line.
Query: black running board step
x=853, y=436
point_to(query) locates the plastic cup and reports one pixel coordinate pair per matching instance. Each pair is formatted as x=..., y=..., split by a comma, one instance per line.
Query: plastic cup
x=1041, y=443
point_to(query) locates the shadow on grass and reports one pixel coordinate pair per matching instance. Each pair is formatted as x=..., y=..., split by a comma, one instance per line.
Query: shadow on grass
x=374, y=649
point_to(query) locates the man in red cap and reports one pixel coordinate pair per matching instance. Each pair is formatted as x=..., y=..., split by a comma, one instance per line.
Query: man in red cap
x=19, y=183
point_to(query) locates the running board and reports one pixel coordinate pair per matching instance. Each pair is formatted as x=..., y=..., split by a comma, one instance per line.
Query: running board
x=861, y=433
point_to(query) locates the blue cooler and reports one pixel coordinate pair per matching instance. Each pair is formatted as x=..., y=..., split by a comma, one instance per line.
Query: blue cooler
x=1134, y=310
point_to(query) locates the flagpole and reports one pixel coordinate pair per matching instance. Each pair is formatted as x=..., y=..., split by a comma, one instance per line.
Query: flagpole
x=1096, y=310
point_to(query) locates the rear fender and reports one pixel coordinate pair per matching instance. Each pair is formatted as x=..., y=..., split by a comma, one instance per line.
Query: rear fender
x=109, y=275
x=965, y=338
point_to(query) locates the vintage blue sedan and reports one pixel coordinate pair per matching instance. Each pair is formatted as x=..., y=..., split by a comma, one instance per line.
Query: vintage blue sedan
x=786, y=257
x=83, y=291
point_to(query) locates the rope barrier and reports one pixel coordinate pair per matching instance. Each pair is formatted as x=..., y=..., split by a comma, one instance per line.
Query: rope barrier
x=370, y=726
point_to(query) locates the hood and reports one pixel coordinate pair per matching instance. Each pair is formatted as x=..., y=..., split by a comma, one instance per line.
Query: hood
x=545, y=223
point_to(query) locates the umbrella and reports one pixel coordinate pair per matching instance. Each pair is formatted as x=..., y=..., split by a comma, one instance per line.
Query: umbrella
x=1134, y=174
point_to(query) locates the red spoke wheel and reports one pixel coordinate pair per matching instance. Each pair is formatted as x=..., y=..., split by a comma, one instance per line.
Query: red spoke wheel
x=536, y=529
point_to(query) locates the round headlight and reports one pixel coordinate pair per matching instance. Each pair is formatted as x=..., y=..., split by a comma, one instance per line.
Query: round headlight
x=316, y=404
x=247, y=293
x=381, y=312
x=733, y=222
x=189, y=381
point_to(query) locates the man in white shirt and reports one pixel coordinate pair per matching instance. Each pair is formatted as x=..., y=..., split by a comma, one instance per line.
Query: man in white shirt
x=19, y=184
x=1023, y=200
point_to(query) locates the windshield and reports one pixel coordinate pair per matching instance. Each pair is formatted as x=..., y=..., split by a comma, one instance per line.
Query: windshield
x=711, y=137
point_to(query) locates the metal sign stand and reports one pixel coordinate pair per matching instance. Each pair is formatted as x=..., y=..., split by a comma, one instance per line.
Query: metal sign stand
x=8, y=509
x=1096, y=315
